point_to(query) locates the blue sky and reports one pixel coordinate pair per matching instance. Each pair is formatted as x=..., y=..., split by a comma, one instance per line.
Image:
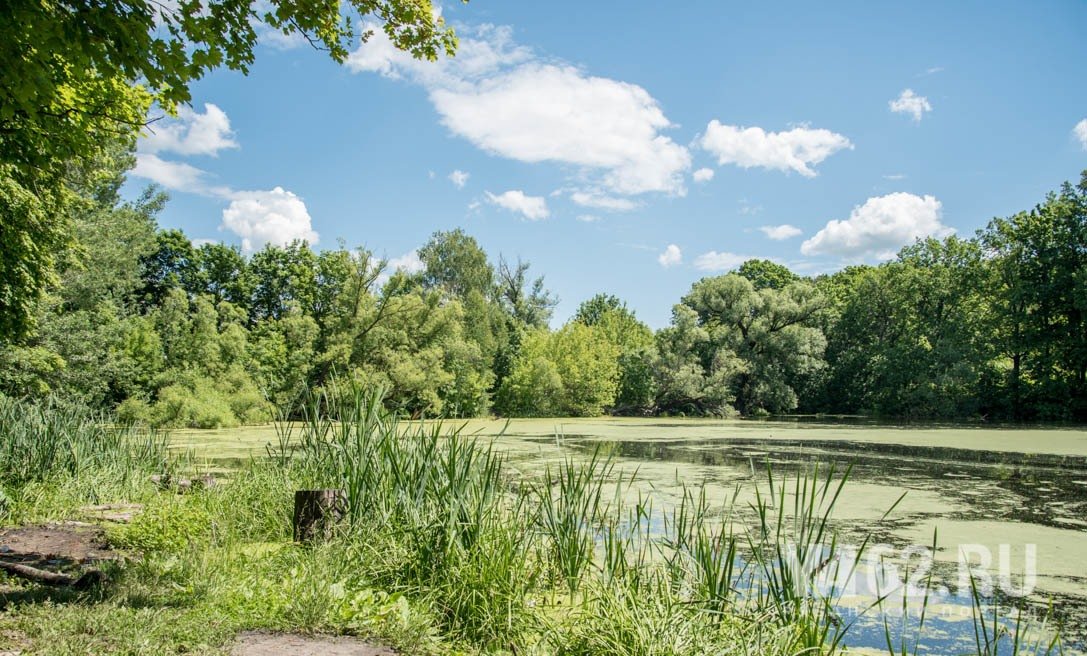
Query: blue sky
x=633, y=148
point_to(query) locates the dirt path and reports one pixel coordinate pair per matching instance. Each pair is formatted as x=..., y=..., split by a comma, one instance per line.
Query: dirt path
x=256, y=643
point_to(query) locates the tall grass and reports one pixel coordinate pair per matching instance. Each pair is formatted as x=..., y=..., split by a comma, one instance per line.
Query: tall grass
x=571, y=509
x=40, y=440
x=47, y=446
x=430, y=503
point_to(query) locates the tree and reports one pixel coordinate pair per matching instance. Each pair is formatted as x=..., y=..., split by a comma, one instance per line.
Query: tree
x=283, y=277
x=573, y=371
x=81, y=325
x=530, y=304
x=224, y=274
x=1037, y=264
x=31, y=237
x=765, y=274
x=454, y=263
x=633, y=341
x=171, y=265
x=78, y=74
x=690, y=378
x=771, y=332
x=590, y=312
x=910, y=340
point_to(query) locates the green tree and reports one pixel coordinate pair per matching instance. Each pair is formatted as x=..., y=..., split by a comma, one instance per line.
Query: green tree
x=692, y=378
x=1037, y=284
x=910, y=340
x=283, y=277
x=765, y=274
x=591, y=311
x=530, y=304
x=171, y=265
x=573, y=371
x=634, y=344
x=773, y=333
x=454, y=263
x=224, y=274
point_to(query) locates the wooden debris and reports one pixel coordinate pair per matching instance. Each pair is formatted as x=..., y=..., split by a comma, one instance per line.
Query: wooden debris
x=84, y=581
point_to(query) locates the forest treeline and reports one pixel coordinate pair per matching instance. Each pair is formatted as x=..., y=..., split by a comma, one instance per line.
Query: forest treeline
x=143, y=322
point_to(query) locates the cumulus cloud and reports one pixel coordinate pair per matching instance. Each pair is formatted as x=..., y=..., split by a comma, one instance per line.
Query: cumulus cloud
x=602, y=201
x=408, y=263
x=670, y=256
x=910, y=103
x=258, y=217
x=459, y=178
x=703, y=175
x=532, y=208
x=714, y=261
x=268, y=217
x=793, y=150
x=191, y=133
x=781, y=232
x=1081, y=133
x=176, y=176
x=879, y=228
x=504, y=99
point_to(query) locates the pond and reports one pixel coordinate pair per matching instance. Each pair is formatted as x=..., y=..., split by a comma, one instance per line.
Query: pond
x=989, y=492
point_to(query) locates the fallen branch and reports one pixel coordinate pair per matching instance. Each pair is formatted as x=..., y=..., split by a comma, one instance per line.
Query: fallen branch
x=89, y=578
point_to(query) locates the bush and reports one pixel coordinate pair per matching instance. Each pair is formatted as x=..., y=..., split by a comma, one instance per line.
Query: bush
x=134, y=410
x=197, y=406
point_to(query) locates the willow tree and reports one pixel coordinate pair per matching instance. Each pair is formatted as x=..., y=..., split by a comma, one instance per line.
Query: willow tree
x=770, y=337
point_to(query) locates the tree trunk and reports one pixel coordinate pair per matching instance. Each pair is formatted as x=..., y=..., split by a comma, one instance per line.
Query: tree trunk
x=317, y=512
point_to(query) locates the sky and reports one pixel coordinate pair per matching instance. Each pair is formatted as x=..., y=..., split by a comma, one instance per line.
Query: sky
x=634, y=148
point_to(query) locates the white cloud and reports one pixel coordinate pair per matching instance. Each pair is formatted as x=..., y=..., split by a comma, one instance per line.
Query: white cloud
x=482, y=51
x=507, y=101
x=588, y=218
x=268, y=217
x=602, y=201
x=408, y=263
x=532, y=208
x=459, y=178
x=910, y=103
x=191, y=133
x=177, y=176
x=1081, y=132
x=895, y=176
x=703, y=175
x=793, y=150
x=258, y=217
x=670, y=256
x=714, y=261
x=879, y=228
x=277, y=40
x=781, y=232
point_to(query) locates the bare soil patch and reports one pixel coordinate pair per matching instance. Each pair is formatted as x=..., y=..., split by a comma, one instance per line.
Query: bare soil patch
x=259, y=643
x=55, y=546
